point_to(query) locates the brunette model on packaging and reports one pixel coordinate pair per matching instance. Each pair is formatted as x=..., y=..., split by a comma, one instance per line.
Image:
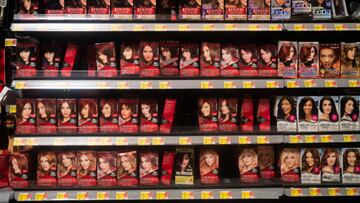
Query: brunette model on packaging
x=109, y=116
x=106, y=169
x=149, y=168
x=25, y=115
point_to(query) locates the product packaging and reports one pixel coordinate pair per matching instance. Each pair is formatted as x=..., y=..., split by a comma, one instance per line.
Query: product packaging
x=228, y=114
x=129, y=63
x=280, y=9
x=229, y=60
x=149, y=59
x=310, y=166
x=351, y=165
x=109, y=115
x=99, y=7
x=128, y=116
x=86, y=168
x=330, y=165
x=309, y=60
x=247, y=114
x=75, y=7
x=144, y=9
x=184, y=169
x=339, y=9
x=189, y=61
x=127, y=174
x=267, y=60
x=263, y=115
x=47, y=169
x=88, y=115
x=248, y=165
x=54, y=7
x=301, y=9
x=350, y=60
x=19, y=165
x=106, y=59
x=91, y=60
x=321, y=9
x=289, y=163
x=208, y=115
x=167, y=167
x=266, y=159
x=67, y=169
x=209, y=166
x=46, y=115
x=308, y=116
x=189, y=9
x=51, y=59
x=285, y=113
x=168, y=116
x=169, y=58
x=329, y=60
x=106, y=168
x=149, y=168
x=149, y=115
x=258, y=10
x=25, y=116
x=248, y=62
x=4, y=168
x=212, y=9
x=69, y=60
x=122, y=9
x=28, y=7
x=26, y=59
x=210, y=59
x=287, y=59
x=349, y=113
x=235, y=10
x=329, y=113
x=67, y=114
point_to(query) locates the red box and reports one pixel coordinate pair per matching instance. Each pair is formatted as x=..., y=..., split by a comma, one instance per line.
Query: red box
x=54, y=6
x=209, y=166
x=86, y=168
x=167, y=167
x=25, y=116
x=106, y=168
x=168, y=116
x=149, y=168
x=149, y=59
x=29, y=7
x=212, y=9
x=169, y=58
x=309, y=60
x=167, y=10
x=47, y=169
x=248, y=165
x=75, y=7
x=46, y=115
x=69, y=60
x=263, y=115
x=99, y=7
x=235, y=10
x=329, y=60
x=129, y=63
x=127, y=174
x=122, y=9
x=350, y=58
x=229, y=60
x=189, y=62
x=129, y=115
x=88, y=115
x=4, y=168
x=259, y=10
x=106, y=59
x=19, y=170
x=109, y=115
x=289, y=163
x=67, y=114
x=287, y=59
x=67, y=169
x=144, y=9
x=248, y=63
x=26, y=59
x=91, y=60
x=190, y=9
x=228, y=114
x=210, y=59
x=267, y=60
x=208, y=114
x=266, y=161
x=51, y=59
x=149, y=115
x=247, y=114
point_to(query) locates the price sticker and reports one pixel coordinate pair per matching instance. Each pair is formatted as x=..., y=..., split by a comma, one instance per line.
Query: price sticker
x=160, y=27
x=105, y=141
x=146, y=85
x=145, y=195
x=352, y=191
x=62, y=196
x=121, y=141
x=24, y=197
x=20, y=85
x=330, y=83
x=208, y=27
x=310, y=139
x=334, y=191
x=247, y=195
x=262, y=139
x=144, y=141
x=309, y=83
x=184, y=140
x=116, y=28
x=229, y=84
x=31, y=142
x=184, y=27
x=254, y=27
x=299, y=27
x=224, y=140
x=206, y=85
x=275, y=27
x=59, y=141
x=357, y=27
x=314, y=192
x=326, y=138
x=295, y=139
x=230, y=27
x=340, y=27
x=92, y=141
x=248, y=84
x=208, y=140
x=319, y=27
x=296, y=192
x=244, y=140
x=226, y=195
x=123, y=85
x=207, y=195
x=10, y=42
x=161, y=195
x=164, y=85
x=121, y=196
x=138, y=28
x=187, y=195
x=102, y=195
x=19, y=141
x=12, y=108
x=272, y=84
x=292, y=84
x=158, y=141
x=102, y=85
x=41, y=196
x=349, y=138
x=82, y=196
x=353, y=83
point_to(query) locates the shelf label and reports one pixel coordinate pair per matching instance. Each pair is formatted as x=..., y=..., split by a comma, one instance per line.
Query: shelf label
x=187, y=195
x=230, y=27
x=122, y=85
x=310, y=139
x=158, y=141
x=326, y=138
x=351, y=191
x=272, y=84
x=12, y=108
x=208, y=140
x=19, y=141
x=20, y=85
x=121, y=196
x=139, y=27
x=349, y=138
x=207, y=195
x=144, y=141
x=121, y=141
x=247, y=195
x=330, y=83
x=105, y=141
x=62, y=196
x=160, y=27
x=295, y=139
x=116, y=27
x=299, y=27
x=334, y=191
x=275, y=27
x=340, y=27
x=314, y=192
x=229, y=84
x=10, y=42
x=31, y=142
x=248, y=84
x=206, y=85
x=24, y=196
x=224, y=140
x=254, y=27
x=164, y=85
x=208, y=27
x=146, y=85
x=292, y=84
x=184, y=140
x=309, y=83
x=161, y=195
x=145, y=195
x=244, y=140
x=357, y=27
x=226, y=195
x=59, y=141
x=102, y=85
x=262, y=139
x=40, y=196
x=353, y=83
x=92, y=141
x=296, y=192
x=82, y=196
x=102, y=195
x=184, y=27
x=319, y=27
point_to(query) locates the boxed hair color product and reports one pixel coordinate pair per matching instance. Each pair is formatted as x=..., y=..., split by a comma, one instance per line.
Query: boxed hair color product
x=149, y=115
x=184, y=168
x=321, y=9
x=26, y=59
x=144, y=9
x=127, y=174
x=25, y=115
x=67, y=168
x=169, y=58
x=67, y=114
x=149, y=168
x=129, y=115
x=259, y=10
x=189, y=61
x=99, y=7
x=210, y=59
x=280, y=9
x=209, y=166
x=330, y=165
x=208, y=114
x=122, y=9
x=287, y=59
x=47, y=169
x=28, y=7
x=19, y=166
x=263, y=115
x=75, y=7
x=235, y=10
x=310, y=165
x=86, y=168
x=46, y=114
x=350, y=60
x=308, y=117
x=266, y=161
x=106, y=59
x=4, y=168
x=129, y=62
x=54, y=7
x=349, y=113
x=289, y=163
x=167, y=167
x=301, y=9
x=247, y=114
x=88, y=115
x=248, y=165
x=212, y=9
x=285, y=113
x=329, y=113
x=309, y=60
x=267, y=60
x=149, y=59
x=248, y=63
x=351, y=165
x=106, y=168
x=51, y=59
x=109, y=115
x=69, y=60
x=228, y=114
x=329, y=56
x=229, y=60
x=189, y=9
x=339, y=9
x=168, y=116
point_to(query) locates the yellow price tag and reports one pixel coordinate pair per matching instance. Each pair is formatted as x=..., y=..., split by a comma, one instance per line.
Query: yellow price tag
x=330, y=83
x=24, y=197
x=20, y=85
x=254, y=27
x=357, y=27
x=120, y=141
x=158, y=141
x=225, y=195
x=139, y=27
x=310, y=139
x=349, y=138
x=123, y=85
x=145, y=195
x=82, y=196
x=92, y=141
x=164, y=85
x=292, y=84
x=229, y=84
x=31, y=142
x=206, y=85
x=40, y=196
x=309, y=83
x=207, y=195
x=299, y=27
x=105, y=141
x=10, y=42
x=121, y=196
x=102, y=85
x=340, y=27
x=162, y=195
x=262, y=140
x=295, y=139
x=184, y=140
x=247, y=195
x=102, y=195
x=334, y=191
x=352, y=191
x=12, y=108
x=160, y=27
x=319, y=27
x=224, y=140
x=146, y=85
x=62, y=196
x=19, y=141
x=248, y=84
x=187, y=195
x=353, y=83
x=314, y=192
x=143, y=141
x=296, y=192
x=326, y=138
x=59, y=141
x=208, y=140
x=244, y=140
x=272, y=84
x=208, y=27
x=275, y=27
x=184, y=27
x=116, y=28
x=230, y=27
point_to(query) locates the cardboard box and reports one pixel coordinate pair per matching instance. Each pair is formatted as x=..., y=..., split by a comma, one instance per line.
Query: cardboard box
x=289, y=163
x=228, y=114
x=208, y=115
x=106, y=59
x=69, y=60
x=184, y=168
x=101, y=7
x=209, y=166
x=266, y=161
x=308, y=114
x=122, y=9
x=258, y=10
x=248, y=165
x=248, y=63
x=349, y=113
x=46, y=115
x=329, y=113
x=285, y=113
x=168, y=116
x=19, y=165
x=169, y=58
x=47, y=169
x=127, y=174
x=321, y=9
x=263, y=115
x=280, y=9
x=329, y=60
x=67, y=114
x=310, y=166
x=235, y=10
x=129, y=115
x=149, y=115
x=229, y=60
x=149, y=168
x=109, y=115
x=54, y=7
x=350, y=58
x=75, y=7
x=350, y=164
x=330, y=165
x=167, y=167
x=287, y=59
x=129, y=63
x=86, y=168
x=189, y=61
x=106, y=168
x=247, y=114
x=212, y=9
x=309, y=60
x=67, y=169
x=144, y=9
x=28, y=7
x=26, y=59
x=4, y=168
x=149, y=59
x=25, y=116
x=210, y=59
x=189, y=9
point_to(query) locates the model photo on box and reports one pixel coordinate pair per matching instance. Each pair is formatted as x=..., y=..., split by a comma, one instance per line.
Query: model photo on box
x=235, y=9
x=184, y=166
x=328, y=113
x=122, y=9
x=308, y=114
x=330, y=165
x=266, y=161
x=229, y=60
x=19, y=170
x=329, y=60
x=248, y=63
x=289, y=163
x=128, y=115
x=309, y=60
x=189, y=61
x=287, y=59
x=67, y=169
x=209, y=166
x=129, y=63
x=109, y=115
x=267, y=60
x=169, y=58
x=127, y=171
x=47, y=169
x=208, y=114
x=75, y=6
x=86, y=168
x=149, y=115
x=106, y=168
x=149, y=168
x=149, y=59
x=189, y=9
x=228, y=114
x=26, y=59
x=310, y=165
x=248, y=165
x=28, y=7
x=280, y=9
x=210, y=59
x=349, y=113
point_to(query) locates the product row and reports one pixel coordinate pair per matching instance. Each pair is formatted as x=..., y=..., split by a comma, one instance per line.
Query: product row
x=245, y=114
x=183, y=166
x=287, y=59
x=193, y=9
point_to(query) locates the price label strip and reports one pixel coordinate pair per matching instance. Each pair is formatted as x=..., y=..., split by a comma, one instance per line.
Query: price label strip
x=334, y=191
x=254, y=27
x=105, y=141
x=230, y=27
x=263, y=139
x=299, y=27
x=296, y=192
x=121, y=141
x=310, y=139
x=294, y=139
x=226, y=195
x=244, y=140
x=82, y=196
x=349, y=138
x=158, y=141
x=102, y=195
x=164, y=85
x=206, y=85
x=59, y=141
x=161, y=195
x=223, y=140
x=208, y=27
x=62, y=196
x=32, y=142
x=310, y=83
x=160, y=27
x=319, y=27
x=330, y=83
x=10, y=42
x=352, y=191
x=326, y=138
x=247, y=195
x=24, y=197
x=249, y=84
x=20, y=85
x=275, y=27
x=353, y=83
x=144, y=141
x=146, y=85
x=184, y=27
x=121, y=196
x=187, y=195
x=272, y=84
x=292, y=84
x=229, y=84
x=340, y=27
x=185, y=141
x=123, y=85
x=145, y=195
x=314, y=192
x=207, y=195
x=208, y=140
x=102, y=85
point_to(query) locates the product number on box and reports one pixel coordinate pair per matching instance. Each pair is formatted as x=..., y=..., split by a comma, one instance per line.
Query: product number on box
x=164, y=85
x=162, y=195
x=62, y=196
x=244, y=140
x=296, y=192
x=121, y=196
x=247, y=195
x=24, y=197
x=207, y=195
x=184, y=140
x=187, y=195
x=102, y=195
x=208, y=140
x=224, y=140
x=145, y=195
x=352, y=191
x=314, y=192
x=226, y=195
x=334, y=191
x=120, y=141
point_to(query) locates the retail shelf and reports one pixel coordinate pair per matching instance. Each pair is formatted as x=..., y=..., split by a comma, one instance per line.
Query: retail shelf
x=315, y=26
x=321, y=191
x=5, y=195
x=161, y=194
x=322, y=138
x=51, y=140
x=321, y=83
